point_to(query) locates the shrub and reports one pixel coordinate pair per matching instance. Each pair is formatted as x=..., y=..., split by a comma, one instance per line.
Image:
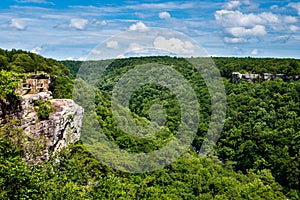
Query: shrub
x=43, y=109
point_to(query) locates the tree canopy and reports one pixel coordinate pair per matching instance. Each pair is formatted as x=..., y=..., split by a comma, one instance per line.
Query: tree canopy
x=256, y=157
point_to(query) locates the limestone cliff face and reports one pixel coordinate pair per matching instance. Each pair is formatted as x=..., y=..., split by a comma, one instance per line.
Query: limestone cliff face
x=61, y=129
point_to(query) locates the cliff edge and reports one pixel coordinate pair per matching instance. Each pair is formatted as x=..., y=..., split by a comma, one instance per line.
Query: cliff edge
x=59, y=129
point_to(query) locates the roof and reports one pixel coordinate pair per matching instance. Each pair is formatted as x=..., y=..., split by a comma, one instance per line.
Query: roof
x=40, y=76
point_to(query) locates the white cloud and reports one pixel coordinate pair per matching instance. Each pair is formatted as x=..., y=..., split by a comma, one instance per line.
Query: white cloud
x=166, y=5
x=174, y=45
x=36, y=50
x=164, y=15
x=18, y=24
x=294, y=28
x=70, y=58
x=268, y=17
x=63, y=44
x=219, y=14
x=232, y=5
x=257, y=30
x=254, y=52
x=134, y=47
x=138, y=25
x=102, y=22
x=243, y=27
x=112, y=44
x=121, y=56
x=96, y=52
x=282, y=38
x=295, y=6
x=76, y=58
x=142, y=15
x=234, y=40
x=236, y=18
x=35, y=1
x=229, y=18
x=290, y=19
x=277, y=8
x=78, y=23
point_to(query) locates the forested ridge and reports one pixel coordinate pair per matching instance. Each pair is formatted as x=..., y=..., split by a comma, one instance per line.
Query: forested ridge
x=256, y=157
x=21, y=62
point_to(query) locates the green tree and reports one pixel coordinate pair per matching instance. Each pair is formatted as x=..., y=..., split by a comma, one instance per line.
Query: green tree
x=9, y=82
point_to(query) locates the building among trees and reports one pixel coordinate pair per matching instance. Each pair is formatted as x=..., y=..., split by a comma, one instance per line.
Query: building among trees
x=35, y=84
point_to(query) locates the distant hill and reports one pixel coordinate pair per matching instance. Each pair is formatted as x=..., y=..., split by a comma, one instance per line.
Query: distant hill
x=256, y=156
x=228, y=65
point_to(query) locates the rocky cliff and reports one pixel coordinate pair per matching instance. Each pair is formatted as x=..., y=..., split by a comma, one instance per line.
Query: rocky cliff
x=61, y=128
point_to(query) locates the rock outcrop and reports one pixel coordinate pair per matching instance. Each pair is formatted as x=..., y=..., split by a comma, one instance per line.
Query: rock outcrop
x=58, y=131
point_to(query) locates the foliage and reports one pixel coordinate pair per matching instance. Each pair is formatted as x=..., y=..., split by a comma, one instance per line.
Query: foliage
x=285, y=66
x=43, y=109
x=262, y=129
x=257, y=156
x=18, y=180
x=72, y=65
x=18, y=61
x=9, y=82
x=78, y=175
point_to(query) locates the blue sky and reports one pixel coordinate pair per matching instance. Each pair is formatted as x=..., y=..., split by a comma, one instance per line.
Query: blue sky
x=72, y=29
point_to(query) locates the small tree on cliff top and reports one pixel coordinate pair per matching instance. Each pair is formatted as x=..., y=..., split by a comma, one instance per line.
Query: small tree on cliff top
x=9, y=82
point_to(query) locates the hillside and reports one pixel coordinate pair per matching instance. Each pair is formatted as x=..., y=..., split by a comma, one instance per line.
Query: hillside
x=256, y=157
x=19, y=62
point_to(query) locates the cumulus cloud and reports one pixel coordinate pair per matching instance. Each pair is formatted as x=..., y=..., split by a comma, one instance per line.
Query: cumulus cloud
x=78, y=23
x=229, y=18
x=294, y=28
x=37, y=50
x=242, y=27
x=102, y=23
x=164, y=15
x=268, y=17
x=234, y=40
x=96, y=52
x=290, y=19
x=18, y=24
x=236, y=18
x=136, y=26
x=254, y=52
x=257, y=30
x=295, y=6
x=112, y=44
x=134, y=47
x=277, y=8
x=174, y=45
x=232, y=5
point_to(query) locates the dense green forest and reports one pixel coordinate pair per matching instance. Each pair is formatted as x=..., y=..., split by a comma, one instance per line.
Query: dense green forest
x=21, y=62
x=256, y=157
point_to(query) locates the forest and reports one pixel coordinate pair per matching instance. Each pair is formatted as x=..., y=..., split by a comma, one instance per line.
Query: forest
x=256, y=156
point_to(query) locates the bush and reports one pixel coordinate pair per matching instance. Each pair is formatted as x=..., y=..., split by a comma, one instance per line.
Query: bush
x=43, y=109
